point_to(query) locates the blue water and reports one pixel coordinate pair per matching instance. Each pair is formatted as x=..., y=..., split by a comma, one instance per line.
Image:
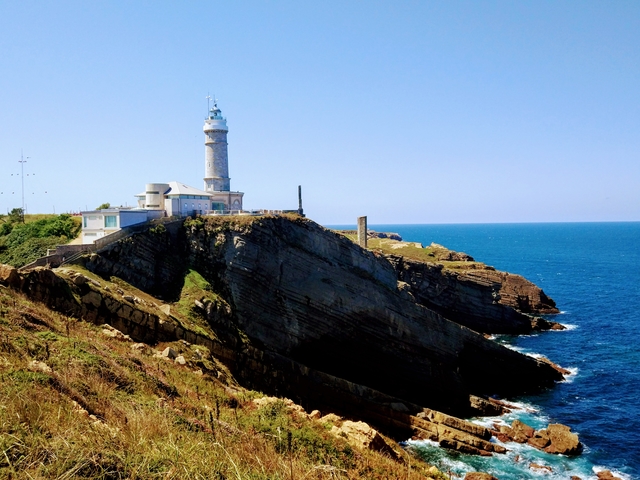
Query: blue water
x=592, y=271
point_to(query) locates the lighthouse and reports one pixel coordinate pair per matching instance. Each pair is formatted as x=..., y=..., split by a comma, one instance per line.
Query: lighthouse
x=216, y=160
x=216, y=163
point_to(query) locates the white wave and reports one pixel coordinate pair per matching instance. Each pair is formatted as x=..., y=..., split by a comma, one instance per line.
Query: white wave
x=422, y=443
x=573, y=373
x=567, y=327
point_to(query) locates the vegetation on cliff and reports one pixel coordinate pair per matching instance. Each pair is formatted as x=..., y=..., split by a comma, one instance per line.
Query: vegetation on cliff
x=21, y=243
x=83, y=401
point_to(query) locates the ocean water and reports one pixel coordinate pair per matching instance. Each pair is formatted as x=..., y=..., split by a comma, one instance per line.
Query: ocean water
x=592, y=271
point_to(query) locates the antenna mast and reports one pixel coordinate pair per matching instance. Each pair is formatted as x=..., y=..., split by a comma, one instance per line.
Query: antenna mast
x=22, y=161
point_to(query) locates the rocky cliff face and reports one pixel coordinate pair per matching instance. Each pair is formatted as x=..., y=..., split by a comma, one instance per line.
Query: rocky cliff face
x=304, y=293
x=305, y=312
x=480, y=298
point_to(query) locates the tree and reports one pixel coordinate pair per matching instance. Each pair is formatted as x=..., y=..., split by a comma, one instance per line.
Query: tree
x=16, y=216
x=104, y=206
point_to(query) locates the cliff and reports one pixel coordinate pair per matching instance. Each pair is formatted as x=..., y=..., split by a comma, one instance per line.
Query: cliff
x=477, y=296
x=294, y=309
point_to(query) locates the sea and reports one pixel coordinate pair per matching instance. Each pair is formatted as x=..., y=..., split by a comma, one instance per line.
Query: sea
x=592, y=271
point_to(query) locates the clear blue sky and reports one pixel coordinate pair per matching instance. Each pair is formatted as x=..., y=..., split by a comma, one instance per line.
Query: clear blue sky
x=407, y=112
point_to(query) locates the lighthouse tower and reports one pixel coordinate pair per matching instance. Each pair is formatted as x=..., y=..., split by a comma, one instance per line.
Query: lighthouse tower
x=216, y=162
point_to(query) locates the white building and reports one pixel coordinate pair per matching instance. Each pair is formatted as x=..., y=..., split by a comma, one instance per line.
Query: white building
x=99, y=223
x=175, y=198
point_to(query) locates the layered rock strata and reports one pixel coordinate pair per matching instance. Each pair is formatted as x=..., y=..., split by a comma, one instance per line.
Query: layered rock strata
x=305, y=313
x=483, y=299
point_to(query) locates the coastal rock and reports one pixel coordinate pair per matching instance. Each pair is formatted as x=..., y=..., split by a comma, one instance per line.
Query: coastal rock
x=303, y=312
x=487, y=407
x=539, y=440
x=607, y=475
x=521, y=432
x=361, y=435
x=540, y=468
x=555, y=366
x=541, y=324
x=563, y=441
x=481, y=298
x=442, y=253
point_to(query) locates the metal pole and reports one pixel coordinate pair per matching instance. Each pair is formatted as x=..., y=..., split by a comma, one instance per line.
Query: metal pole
x=22, y=162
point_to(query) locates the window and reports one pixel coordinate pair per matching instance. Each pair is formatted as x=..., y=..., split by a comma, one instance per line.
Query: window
x=84, y=222
x=110, y=221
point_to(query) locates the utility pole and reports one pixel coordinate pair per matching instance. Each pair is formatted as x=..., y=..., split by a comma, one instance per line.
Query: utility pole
x=22, y=162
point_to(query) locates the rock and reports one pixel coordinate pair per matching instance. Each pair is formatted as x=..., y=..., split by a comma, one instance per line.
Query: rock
x=479, y=476
x=129, y=298
x=486, y=407
x=540, y=440
x=315, y=415
x=138, y=346
x=180, y=360
x=37, y=366
x=558, y=368
x=574, y=477
x=361, y=435
x=461, y=447
x=9, y=275
x=540, y=468
x=169, y=353
x=541, y=324
x=331, y=418
x=607, y=475
x=433, y=470
x=112, y=332
x=562, y=441
x=478, y=297
x=521, y=432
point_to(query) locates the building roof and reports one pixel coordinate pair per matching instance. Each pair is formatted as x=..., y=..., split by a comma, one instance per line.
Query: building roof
x=114, y=210
x=178, y=188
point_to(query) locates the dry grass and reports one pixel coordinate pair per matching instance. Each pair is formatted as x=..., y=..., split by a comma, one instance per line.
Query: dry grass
x=95, y=408
x=415, y=251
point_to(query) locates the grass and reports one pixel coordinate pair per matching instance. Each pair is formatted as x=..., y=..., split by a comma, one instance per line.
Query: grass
x=196, y=288
x=95, y=408
x=415, y=251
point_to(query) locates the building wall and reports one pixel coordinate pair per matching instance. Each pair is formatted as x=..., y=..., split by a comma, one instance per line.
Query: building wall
x=132, y=217
x=216, y=161
x=98, y=224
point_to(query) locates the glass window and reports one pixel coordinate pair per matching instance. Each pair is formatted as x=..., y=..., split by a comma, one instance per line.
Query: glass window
x=110, y=221
x=84, y=222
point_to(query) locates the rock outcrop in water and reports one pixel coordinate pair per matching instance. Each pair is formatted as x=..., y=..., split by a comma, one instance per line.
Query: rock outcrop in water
x=304, y=312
